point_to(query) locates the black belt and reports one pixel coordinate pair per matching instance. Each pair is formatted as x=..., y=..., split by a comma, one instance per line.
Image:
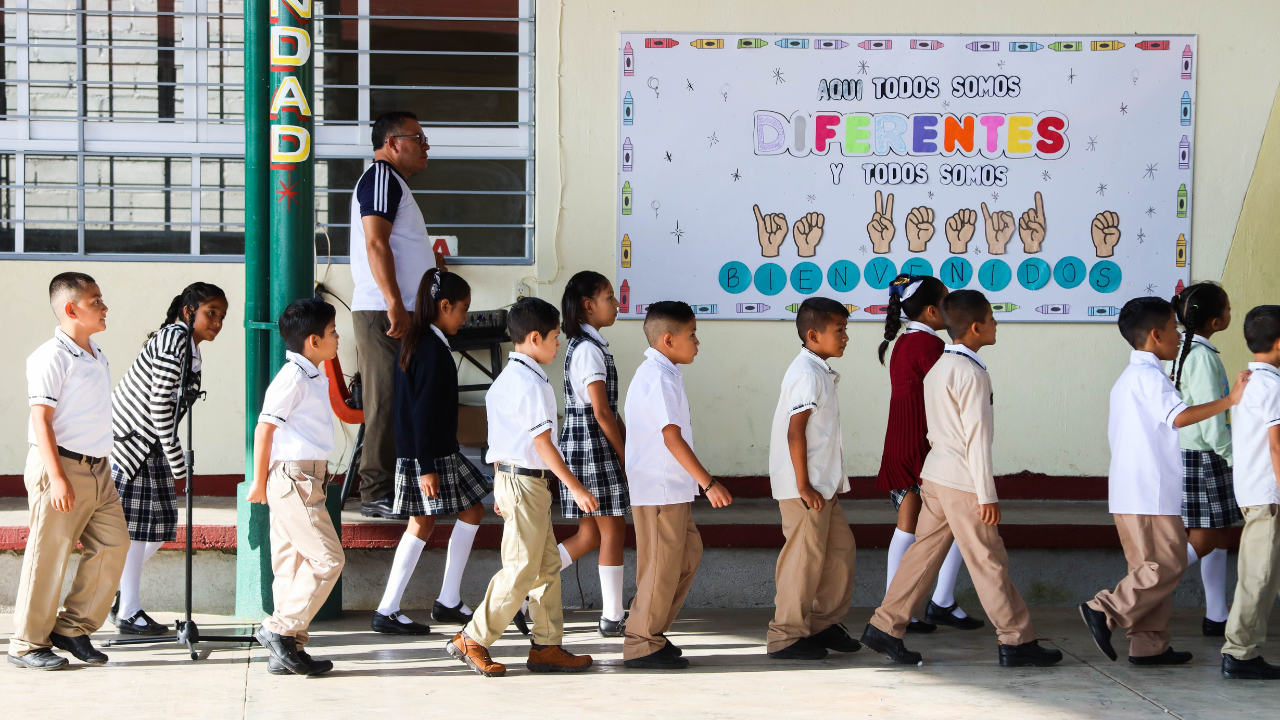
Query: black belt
x=70, y=455
x=516, y=470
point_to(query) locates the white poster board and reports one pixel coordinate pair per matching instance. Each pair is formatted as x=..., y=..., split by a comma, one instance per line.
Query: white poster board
x=1051, y=172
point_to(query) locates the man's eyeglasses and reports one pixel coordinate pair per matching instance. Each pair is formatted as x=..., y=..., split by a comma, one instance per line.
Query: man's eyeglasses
x=421, y=138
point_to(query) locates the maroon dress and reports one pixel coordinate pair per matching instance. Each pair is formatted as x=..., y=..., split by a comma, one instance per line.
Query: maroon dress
x=906, y=439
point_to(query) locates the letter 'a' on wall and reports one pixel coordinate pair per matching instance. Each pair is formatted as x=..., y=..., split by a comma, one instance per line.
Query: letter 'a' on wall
x=1053, y=173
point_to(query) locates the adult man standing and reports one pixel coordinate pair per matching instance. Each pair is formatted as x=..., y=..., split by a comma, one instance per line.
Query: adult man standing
x=390, y=253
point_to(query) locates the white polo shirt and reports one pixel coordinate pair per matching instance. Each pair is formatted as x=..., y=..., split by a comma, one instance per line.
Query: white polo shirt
x=810, y=384
x=1251, y=422
x=656, y=399
x=520, y=405
x=588, y=365
x=77, y=385
x=297, y=403
x=914, y=326
x=1145, y=477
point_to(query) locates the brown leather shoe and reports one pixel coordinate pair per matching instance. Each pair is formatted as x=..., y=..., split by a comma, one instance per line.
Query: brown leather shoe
x=475, y=655
x=553, y=658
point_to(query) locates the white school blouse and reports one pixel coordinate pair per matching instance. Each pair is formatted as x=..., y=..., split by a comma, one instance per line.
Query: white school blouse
x=297, y=403
x=588, y=365
x=77, y=385
x=809, y=384
x=656, y=399
x=1251, y=422
x=1145, y=477
x=520, y=405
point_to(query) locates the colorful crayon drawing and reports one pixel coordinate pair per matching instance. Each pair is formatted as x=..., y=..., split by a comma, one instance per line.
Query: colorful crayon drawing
x=876, y=309
x=1177, y=289
x=1185, y=111
x=984, y=45
x=876, y=44
x=795, y=307
x=1184, y=154
x=626, y=198
x=628, y=109
x=716, y=44
x=752, y=307
x=1186, y=63
x=706, y=309
x=1025, y=46
x=628, y=61
x=624, y=297
x=1067, y=46
x=626, y=251
x=660, y=43
x=1180, y=253
x=751, y=43
x=642, y=308
x=626, y=155
x=1054, y=309
x=792, y=43
x=1153, y=45
x=1182, y=200
x=925, y=45
x=1105, y=45
x=1103, y=311
x=829, y=44
x=1003, y=307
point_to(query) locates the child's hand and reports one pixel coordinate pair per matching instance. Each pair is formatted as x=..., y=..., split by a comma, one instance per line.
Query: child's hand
x=258, y=493
x=61, y=494
x=812, y=498
x=1238, y=391
x=718, y=496
x=585, y=500
x=497, y=510
x=430, y=484
x=990, y=513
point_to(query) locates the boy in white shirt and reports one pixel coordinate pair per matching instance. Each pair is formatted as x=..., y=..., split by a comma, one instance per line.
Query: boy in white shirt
x=664, y=476
x=69, y=487
x=1145, y=487
x=814, y=578
x=959, y=496
x=522, y=430
x=1255, y=438
x=291, y=447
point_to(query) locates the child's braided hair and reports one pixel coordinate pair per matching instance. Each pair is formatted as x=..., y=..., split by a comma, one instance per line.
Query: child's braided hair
x=1195, y=307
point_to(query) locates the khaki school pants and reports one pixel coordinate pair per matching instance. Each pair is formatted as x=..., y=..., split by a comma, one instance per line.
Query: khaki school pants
x=1258, y=568
x=1156, y=548
x=306, y=554
x=949, y=514
x=668, y=550
x=97, y=522
x=530, y=564
x=814, y=578
x=378, y=354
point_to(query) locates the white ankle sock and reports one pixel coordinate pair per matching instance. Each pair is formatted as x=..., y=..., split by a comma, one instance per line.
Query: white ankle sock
x=1192, y=557
x=944, y=595
x=565, y=559
x=407, y=554
x=464, y=534
x=610, y=591
x=1213, y=572
x=131, y=580
x=897, y=548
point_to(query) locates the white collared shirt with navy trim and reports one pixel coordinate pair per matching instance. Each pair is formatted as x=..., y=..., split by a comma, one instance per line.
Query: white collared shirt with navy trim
x=1145, y=477
x=914, y=326
x=520, y=405
x=77, y=385
x=809, y=384
x=655, y=399
x=297, y=403
x=588, y=365
x=964, y=350
x=1259, y=411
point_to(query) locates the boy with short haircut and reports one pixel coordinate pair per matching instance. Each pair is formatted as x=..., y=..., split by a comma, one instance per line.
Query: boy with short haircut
x=69, y=487
x=522, y=429
x=959, y=496
x=291, y=447
x=1145, y=486
x=664, y=476
x=1255, y=438
x=814, y=577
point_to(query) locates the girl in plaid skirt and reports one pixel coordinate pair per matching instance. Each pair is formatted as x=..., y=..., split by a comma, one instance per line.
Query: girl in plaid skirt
x=432, y=476
x=1208, y=496
x=147, y=457
x=591, y=438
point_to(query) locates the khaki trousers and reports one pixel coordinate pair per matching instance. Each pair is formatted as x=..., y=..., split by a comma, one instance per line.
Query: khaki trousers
x=1156, y=548
x=949, y=514
x=378, y=354
x=814, y=578
x=1258, y=568
x=97, y=522
x=530, y=564
x=668, y=550
x=306, y=554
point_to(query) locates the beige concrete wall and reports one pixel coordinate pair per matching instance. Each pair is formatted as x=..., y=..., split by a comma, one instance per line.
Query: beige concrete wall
x=1051, y=382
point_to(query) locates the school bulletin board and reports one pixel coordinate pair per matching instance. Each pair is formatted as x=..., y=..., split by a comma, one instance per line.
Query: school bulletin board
x=1051, y=172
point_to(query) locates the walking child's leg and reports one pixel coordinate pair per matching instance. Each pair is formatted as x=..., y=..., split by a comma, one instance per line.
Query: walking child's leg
x=1163, y=544
x=140, y=551
x=104, y=538
x=1259, y=572
x=689, y=557
x=408, y=551
x=544, y=597
x=919, y=567
x=659, y=549
x=455, y=564
x=584, y=541
x=797, y=575
x=613, y=535
x=839, y=560
x=944, y=595
x=312, y=557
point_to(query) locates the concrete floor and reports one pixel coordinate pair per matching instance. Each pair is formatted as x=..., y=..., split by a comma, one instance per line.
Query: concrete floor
x=730, y=677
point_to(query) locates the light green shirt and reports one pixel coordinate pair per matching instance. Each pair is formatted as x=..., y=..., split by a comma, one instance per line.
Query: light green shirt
x=1204, y=379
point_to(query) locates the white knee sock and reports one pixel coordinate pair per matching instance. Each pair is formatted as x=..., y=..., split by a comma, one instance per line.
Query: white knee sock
x=407, y=554
x=131, y=580
x=897, y=548
x=1192, y=557
x=944, y=595
x=464, y=534
x=611, y=591
x=565, y=559
x=1213, y=572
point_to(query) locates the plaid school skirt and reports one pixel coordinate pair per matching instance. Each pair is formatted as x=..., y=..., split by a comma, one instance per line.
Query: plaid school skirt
x=897, y=495
x=149, y=499
x=461, y=486
x=591, y=458
x=1208, y=497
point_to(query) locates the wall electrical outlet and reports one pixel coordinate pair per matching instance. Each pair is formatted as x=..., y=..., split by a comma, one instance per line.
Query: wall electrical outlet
x=520, y=291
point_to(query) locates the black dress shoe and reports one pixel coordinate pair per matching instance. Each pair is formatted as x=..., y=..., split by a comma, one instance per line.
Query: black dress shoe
x=315, y=666
x=671, y=648
x=1251, y=669
x=613, y=628
x=1168, y=657
x=150, y=627
x=660, y=660
x=1213, y=628
x=1097, y=623
x=939, y=615
x=39, y=659
x=441, y=613
x=1029, y=653
x=917, y=627
x=522, y=622
x=802, y=649
x=80, y=646
x=836, y=637
x=886, y=644
x=391, y=625
x=383, y=508
x=283, y=649
x=115, y=608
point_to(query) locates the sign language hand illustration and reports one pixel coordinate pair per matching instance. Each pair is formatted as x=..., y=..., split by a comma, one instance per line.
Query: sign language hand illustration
x=960, y=230
x=1031, y=227
x=772, y=230
x=807, y=233
x=1106, y=233
x=999, y=228
x=919, y=228
x=881, y=229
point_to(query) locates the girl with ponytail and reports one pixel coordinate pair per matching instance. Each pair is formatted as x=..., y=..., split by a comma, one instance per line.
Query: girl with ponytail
x=916, y=302
x=1208, y=495
x=147, y=457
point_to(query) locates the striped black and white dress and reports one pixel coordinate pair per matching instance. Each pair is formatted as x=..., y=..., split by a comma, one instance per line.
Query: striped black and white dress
x=147, y=455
